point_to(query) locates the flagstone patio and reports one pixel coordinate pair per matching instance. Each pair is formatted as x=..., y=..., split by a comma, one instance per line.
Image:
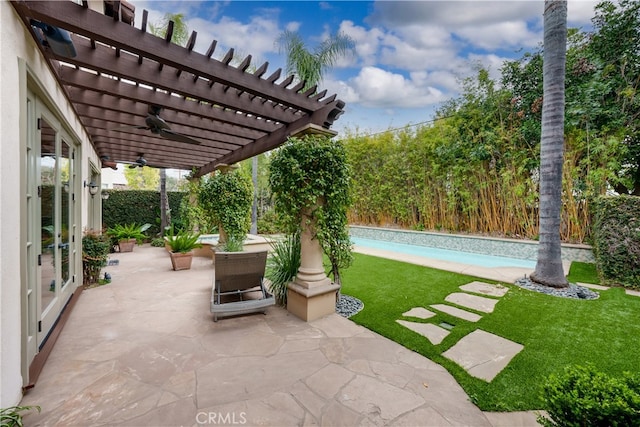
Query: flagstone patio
x=144, y=351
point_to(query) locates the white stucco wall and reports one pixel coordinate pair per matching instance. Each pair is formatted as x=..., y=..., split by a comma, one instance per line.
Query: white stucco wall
x=19, y=53
x=10, y=378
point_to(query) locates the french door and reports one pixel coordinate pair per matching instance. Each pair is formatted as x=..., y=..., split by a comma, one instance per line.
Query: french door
x=52, y=246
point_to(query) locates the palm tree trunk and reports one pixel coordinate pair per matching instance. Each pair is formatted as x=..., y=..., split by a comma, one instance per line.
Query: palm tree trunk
x=254, y=206
x=549, y=269
x=165, y=218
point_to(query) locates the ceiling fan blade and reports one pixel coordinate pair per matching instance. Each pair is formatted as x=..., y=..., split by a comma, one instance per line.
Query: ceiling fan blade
x=175, y=136
x=126, y=127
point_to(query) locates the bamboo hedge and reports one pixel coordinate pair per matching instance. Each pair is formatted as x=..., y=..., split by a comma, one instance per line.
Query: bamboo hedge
x=432, y=180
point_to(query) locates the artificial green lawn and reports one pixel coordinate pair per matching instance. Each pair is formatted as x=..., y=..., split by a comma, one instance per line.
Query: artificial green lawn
x=555, y=332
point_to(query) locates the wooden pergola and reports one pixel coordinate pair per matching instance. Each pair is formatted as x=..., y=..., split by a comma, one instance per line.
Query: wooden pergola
x=138, y=94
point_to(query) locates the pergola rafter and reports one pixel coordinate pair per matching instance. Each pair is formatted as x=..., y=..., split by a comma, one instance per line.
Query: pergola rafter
x=121, y=73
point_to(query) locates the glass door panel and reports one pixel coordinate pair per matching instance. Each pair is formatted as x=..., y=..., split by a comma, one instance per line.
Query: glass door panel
x=66, y=213
x=47, y=193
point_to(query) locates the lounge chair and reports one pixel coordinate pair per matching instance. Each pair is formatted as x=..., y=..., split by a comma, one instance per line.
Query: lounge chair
x=238, y=286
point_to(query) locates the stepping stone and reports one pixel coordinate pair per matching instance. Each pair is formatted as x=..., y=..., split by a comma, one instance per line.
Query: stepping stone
x=485, y=289
x=419, y=312
x=483, y=355
x=435, y=334
x=592, y=286
x=473, y=302
x=632, y=292
x=457, y=312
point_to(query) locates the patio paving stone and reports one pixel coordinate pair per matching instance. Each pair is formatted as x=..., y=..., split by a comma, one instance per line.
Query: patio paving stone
x=378, y=400
x=144, y=351
x=435, y=334
x=329, y=380
x=424, y=417
x=482, y=354
x=485, y=289
x=457, y=312
x=473, y=302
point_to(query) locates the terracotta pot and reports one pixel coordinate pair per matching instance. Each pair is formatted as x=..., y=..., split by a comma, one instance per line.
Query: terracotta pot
x=126, y=245
x=181, y=261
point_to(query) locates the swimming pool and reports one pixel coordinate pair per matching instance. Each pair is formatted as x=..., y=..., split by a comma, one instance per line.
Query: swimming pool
x=470, y=258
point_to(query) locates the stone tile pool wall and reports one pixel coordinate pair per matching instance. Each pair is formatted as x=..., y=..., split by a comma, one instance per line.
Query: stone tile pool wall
x=511, y=248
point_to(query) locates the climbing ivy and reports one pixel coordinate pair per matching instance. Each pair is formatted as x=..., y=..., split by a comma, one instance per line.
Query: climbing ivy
x=310, y=175
x=227, y=198
x=194, y=215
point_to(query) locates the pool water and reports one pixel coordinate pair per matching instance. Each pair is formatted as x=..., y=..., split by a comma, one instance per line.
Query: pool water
x=481, y=260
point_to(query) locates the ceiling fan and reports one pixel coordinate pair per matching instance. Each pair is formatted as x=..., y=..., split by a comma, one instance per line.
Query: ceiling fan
x=140, y=162
x=158, y=126
x=106, y=163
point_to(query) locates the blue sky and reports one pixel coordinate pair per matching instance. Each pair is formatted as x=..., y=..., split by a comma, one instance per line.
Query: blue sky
x=410, y=55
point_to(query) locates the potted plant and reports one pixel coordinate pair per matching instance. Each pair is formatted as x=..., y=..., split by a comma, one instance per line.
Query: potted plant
x=181, y=246
x=128, y=235
x=95, y=253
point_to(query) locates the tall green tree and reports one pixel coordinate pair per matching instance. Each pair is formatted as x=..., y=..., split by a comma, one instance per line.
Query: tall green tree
x=142, y=178
x=549, y=269
x=179, y=36
x=311, y=65
x=614, y=54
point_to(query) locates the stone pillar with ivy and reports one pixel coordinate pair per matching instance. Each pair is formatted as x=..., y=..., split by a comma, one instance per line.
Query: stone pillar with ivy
x=309, y=178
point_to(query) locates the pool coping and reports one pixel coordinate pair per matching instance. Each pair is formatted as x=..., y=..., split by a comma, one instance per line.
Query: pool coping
x=496, y=246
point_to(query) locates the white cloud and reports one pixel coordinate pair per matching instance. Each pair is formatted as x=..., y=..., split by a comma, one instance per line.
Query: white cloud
x=256, y=36
x=501, y=35
x=453, y=13
x=376, y=87
x=367, y=41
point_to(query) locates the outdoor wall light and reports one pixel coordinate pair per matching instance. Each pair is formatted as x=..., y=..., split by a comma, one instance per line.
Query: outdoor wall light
x=93, y=188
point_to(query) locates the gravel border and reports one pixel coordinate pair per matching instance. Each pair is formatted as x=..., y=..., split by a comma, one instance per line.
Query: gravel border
x=573, y=291
x=347, y=306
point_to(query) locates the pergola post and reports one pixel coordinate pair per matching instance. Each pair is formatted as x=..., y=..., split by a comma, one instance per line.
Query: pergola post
x=312, y=294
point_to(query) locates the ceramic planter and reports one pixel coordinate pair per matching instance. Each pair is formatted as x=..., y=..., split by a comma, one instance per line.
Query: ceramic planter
x=126, y=245
x=181, y=261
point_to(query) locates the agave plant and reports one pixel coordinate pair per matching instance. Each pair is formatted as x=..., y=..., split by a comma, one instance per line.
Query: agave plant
x=283, y=264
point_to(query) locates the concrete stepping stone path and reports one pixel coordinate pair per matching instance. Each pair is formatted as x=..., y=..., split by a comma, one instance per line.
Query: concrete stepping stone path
x=593, y=286
x=482, y=354
x=457, y=312
x=473, y=302
x=632, y=292
x=435, y=334
x=485, y=289
x=419, y=312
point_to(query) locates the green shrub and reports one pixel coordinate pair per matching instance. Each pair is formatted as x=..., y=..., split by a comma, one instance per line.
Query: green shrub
x=282, y=265
x=616, y=235
x=582, y=396
x=95, y=252
x=158, y=242
x=141, y=207
x=227, y=199
x=269, y=223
